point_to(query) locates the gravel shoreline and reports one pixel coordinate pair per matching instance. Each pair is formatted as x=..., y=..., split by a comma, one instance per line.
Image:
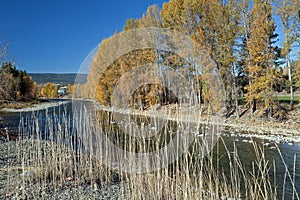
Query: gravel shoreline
x=288, y=131
x=278, y=135
x=36, y=107
x=20, y=181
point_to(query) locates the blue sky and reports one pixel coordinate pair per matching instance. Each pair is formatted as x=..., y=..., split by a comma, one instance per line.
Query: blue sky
x=56, y=35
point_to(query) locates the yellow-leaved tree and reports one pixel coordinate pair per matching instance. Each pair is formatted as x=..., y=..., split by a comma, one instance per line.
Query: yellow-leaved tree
x=262, y=55
x=49, y=90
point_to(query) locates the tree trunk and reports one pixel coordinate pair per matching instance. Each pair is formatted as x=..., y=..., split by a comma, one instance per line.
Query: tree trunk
x=254, y=106
x=251, y=100
x=291, y=82
x=236, y=100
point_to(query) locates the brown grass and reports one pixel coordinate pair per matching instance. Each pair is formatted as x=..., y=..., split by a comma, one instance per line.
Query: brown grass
x=57, y=162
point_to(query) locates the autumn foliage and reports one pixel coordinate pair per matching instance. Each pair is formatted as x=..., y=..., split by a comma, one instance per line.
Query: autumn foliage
x=49, y=90
x=240, y=38
x=16, y=85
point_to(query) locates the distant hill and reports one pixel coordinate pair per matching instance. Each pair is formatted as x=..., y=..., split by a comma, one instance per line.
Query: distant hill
x=62, y=79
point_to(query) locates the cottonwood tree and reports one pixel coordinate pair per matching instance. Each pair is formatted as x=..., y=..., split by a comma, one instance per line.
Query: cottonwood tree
x=151, y=18
x=244, y=56
x=106, y=80
x=296, y=75
x=213, y=25
x=262, y=56
x=238, y=35
x=49, y=90
x=288, y=11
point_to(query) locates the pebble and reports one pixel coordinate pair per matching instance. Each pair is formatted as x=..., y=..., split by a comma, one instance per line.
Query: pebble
x=233, y=135
x=267, y=144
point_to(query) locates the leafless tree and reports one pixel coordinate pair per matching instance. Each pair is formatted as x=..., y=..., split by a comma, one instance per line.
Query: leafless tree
x=3, y=51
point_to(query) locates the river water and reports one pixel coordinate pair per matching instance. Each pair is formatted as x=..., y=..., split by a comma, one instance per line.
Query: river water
x=286, y=156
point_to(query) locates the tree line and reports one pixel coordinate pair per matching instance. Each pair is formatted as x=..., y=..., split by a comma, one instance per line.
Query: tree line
x=51, y=90
x=239, y=35
x=16, y=85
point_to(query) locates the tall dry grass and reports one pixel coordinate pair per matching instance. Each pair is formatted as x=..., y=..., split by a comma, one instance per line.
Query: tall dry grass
x=65, y=153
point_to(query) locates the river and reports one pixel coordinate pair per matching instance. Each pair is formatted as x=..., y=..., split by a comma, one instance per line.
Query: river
x=290, y=152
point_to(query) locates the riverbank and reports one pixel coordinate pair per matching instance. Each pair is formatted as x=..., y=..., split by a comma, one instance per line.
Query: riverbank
x=30, y=107
x=247, y=126
x=287, y=130
x=33, y=179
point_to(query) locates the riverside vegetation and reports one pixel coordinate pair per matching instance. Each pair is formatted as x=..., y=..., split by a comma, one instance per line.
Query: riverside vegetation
x=239, y=38
x=253, y=72
x=49, y=163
